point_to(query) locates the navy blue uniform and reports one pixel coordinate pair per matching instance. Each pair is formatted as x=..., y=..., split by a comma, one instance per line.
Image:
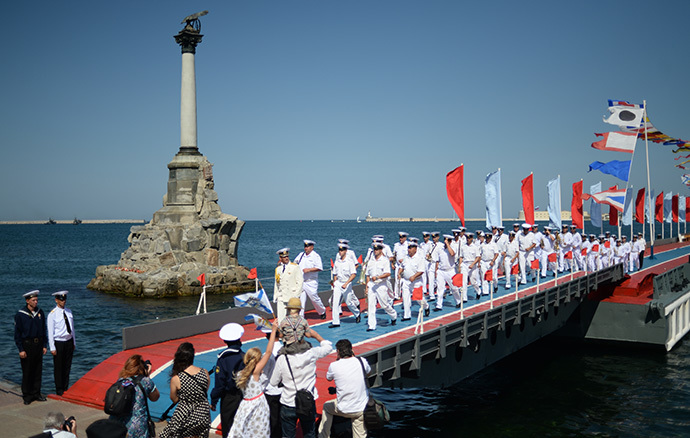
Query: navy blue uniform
x=225, y=389
x=31, y=336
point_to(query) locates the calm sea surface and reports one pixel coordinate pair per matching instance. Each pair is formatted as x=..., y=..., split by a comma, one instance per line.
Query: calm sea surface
x=545, y=390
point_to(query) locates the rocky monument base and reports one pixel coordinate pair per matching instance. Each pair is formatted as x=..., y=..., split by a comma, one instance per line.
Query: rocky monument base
x=188, y=237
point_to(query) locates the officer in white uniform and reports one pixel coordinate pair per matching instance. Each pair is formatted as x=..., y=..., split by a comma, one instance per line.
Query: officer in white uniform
x=350, y=253
x=586, y=249
x=489, y=254
x=288, y=282
x=642, y=244
x=624, y=253
x=576, y=244
x=431, y=263
x=424, y=251
x=61, y=341
x=634, y=254
x=546, y=250
x=511, y=257
x=501, y=241
x=537, y=237
x=310, y=264
x=526, y=245
x=468, y=256
x=377, y=279
x=566, y=247
x=445, y=269
x=344, y=273
x=411, y=272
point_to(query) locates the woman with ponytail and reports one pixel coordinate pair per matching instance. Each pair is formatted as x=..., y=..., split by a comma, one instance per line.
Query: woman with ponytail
x=252, y=417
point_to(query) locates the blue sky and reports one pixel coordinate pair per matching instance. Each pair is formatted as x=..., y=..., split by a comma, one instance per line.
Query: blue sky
x=326, y=109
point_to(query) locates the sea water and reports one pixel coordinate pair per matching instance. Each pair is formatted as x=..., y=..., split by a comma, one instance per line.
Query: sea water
x=548, y=389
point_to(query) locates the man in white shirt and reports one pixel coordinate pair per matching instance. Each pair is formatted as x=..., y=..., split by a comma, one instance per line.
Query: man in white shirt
x=642, y=244
x=488, y=254
x=344, y=273
x=349, y=373
x=288, y=282
x=431, y=264
x=576, y=243
x=303, y=376
x=377, y=284
x=310, y=264
x=624, y=253
x=400, y=252
x=61, y=341
x=411, y=271
x=510, y=258
x=445, y=270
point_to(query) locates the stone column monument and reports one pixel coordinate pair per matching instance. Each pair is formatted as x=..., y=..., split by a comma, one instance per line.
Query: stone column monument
x=189, y=235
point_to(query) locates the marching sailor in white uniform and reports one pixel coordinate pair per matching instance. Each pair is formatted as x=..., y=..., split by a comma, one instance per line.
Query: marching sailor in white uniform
x=310, y=264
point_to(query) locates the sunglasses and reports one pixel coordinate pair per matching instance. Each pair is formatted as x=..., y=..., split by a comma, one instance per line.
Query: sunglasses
x=61, y=297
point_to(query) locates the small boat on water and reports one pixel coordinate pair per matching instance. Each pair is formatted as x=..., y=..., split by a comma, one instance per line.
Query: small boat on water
x=76, y=221
x=51, y=221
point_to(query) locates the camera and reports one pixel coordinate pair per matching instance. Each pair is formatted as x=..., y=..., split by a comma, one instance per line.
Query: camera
x=332, y=390
x=67, y=425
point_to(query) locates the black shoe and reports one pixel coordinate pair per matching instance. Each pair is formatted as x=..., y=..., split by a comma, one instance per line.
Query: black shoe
x=427, y=311
x=323, y=315
x=405, y=319
x=436, y=309
x=59, y=393
x=358, y=318
x=27, y=402
x=41, y=397
x=394, y=321
x=333, y=325
x=457, y=306
x=370, y=329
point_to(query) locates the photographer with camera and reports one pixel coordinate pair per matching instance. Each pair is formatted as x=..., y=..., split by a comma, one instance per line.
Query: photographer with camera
x=58, y=427
x=137, y=420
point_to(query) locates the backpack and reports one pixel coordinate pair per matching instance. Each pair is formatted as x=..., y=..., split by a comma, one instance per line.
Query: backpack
x=119, y=398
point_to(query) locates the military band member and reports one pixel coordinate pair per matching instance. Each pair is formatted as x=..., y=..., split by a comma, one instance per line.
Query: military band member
x=310, y=263
x=344, y=273
x=61, y=341
x=31, y=339
x=400, y=252
x=377, y=283
x=288, y=283
x=411, y=272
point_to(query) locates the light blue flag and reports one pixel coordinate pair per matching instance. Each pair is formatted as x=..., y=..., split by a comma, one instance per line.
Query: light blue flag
x=668, y=207
x=258, y=300
x=595, y=208
x=681, y=208
x=628, y=208
x=619, y=169
x=648, y=210
x=492, y=195
x=553, y=188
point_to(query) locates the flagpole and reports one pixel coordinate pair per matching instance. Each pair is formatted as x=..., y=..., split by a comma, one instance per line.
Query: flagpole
x=649, y=185
x=500, y=198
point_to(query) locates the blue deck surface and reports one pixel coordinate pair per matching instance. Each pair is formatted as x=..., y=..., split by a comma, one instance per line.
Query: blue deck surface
x=357, y=333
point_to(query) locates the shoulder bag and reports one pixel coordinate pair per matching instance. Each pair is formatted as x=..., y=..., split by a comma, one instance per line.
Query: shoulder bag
x=376, y=414
x=151, y=425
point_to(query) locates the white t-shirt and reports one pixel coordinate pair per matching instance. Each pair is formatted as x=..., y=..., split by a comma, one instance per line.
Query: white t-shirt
x=349, y=383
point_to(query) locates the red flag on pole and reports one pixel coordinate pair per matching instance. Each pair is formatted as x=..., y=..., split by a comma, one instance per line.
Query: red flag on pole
x=613, y=213
x=659, y=208
x=576, y=205
x=639, y=206
x=528, y=199
x=252, y=274
x=331, y=263
x=595, y=248
x=359, y=259
x=457, y=280
x=515, y=269
x=583, y=252
x=569, y=255
x=456, y=191
x=418, y=293
x=534, y=264
x=202, y=279
x=489, y=275
x=553, y=257
x=674, y=207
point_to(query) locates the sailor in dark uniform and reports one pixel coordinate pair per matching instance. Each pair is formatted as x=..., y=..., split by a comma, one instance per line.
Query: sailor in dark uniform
x=61, y=341
x=229, y=362
x=31, y=338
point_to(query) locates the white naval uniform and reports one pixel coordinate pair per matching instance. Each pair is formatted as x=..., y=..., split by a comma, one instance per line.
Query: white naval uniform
x=468, y=253
x=624, y=254
x=546, y=250
x=400, y=252
x=634, y=256
x=310, y=286
x=378, y=290
x=445, y=269
x=424, y=251
x=288, y=284
x=342, y=270
x=488, y=252
x=411, y=266
x=578, y=260
x=501, y=241
x=511, y=249
x=431, y=268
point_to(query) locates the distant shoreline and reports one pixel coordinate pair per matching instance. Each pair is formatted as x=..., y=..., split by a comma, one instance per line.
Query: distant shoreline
x=84, y=221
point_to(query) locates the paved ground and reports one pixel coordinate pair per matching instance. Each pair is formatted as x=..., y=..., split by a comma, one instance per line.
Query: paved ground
x=19, y=420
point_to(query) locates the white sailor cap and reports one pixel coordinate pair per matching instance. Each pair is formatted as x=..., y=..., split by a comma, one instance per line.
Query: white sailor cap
x=501, y=227
x=601, y=236
x=31, y=294
x=488, y=235
x=377, y=245
x=526, y=226
x=231, y=332
x=447, y=236
x=413, y=239
x=378, y=236
x=456, y=231
x=564, y=226
x=480, y=233
x=573, y=226
x=516, y=224
x=412, y=245
x=426, y=233
x=608, y=232
x=344, y=241
x=470, y=236
x=436, y=233
x=512, y=233
x=377, y=239
x=592, y=236
x=62, y=293
x=639, y=234
x=308, y=242
x=462, y=229
x=402, y=234
x=343, y=245
x=535, y=226
x=283, y=251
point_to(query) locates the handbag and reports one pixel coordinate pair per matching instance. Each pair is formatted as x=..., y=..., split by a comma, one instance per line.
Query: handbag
x=376, y=415
x=149, y=422
x=304, y=399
